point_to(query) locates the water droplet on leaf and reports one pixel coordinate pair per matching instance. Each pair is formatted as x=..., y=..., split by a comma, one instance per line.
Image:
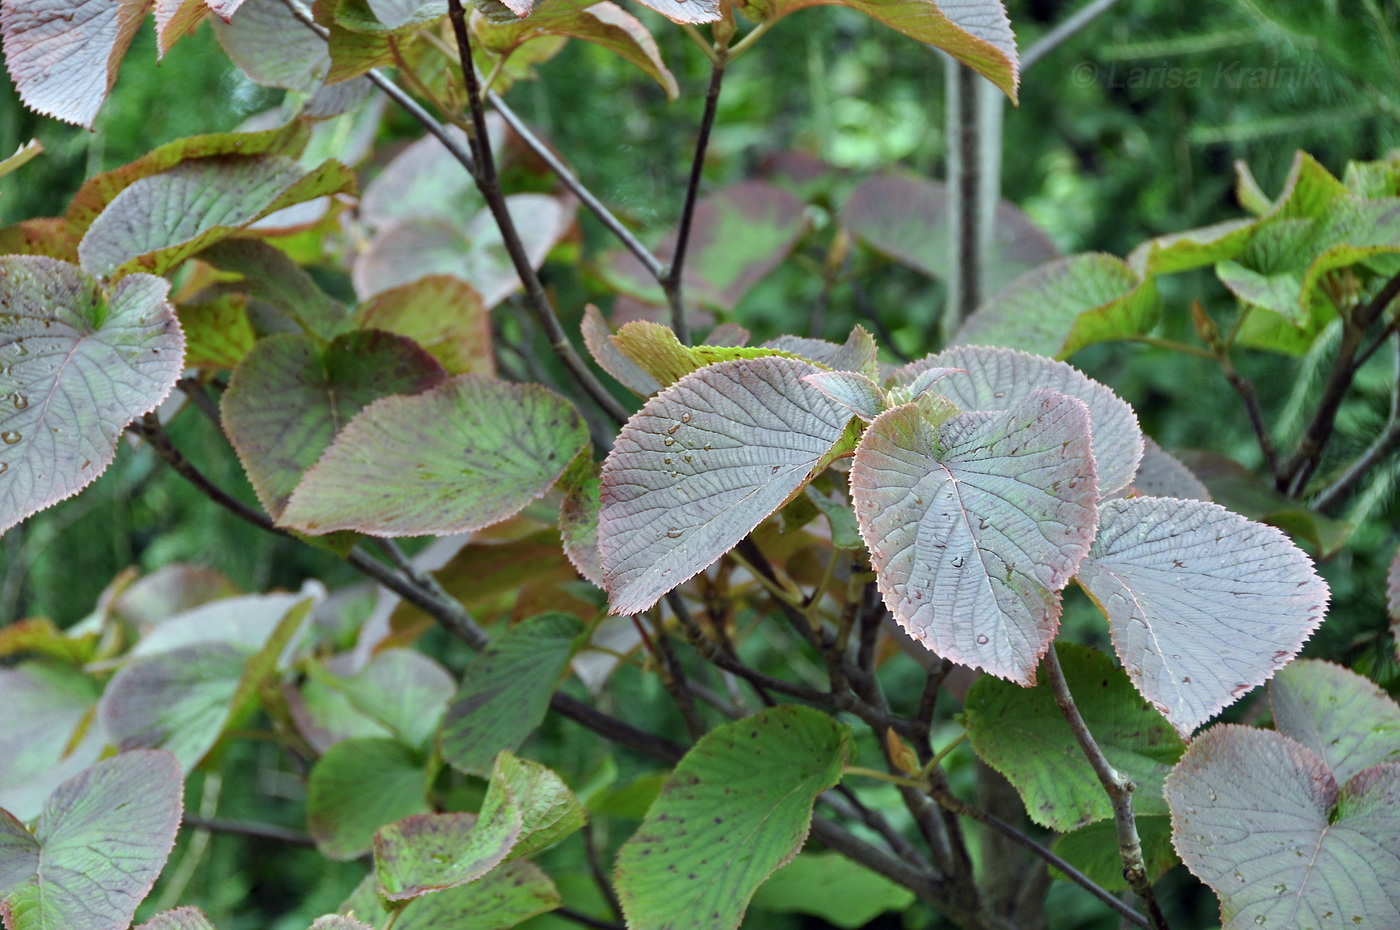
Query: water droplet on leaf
x=11, y=437
x=982, y=639
x=20, y=401
x=685, y=418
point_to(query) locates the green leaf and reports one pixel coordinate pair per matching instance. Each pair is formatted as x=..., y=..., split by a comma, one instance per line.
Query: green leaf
x=737, y=807
x=77, y=364
x=430, y=852
x=46, y=731
x=832, y=887
x=506, y=691
x=1349, y=722
x=602, y=23
x=442, y=314
x=290, y=397
x=975, y=32
x=662, y=357
x=1093, y=850
x=97, y=849
x=505, y=896
x=284, y=298
x=702, y=464
x=358, y=786
x=179, y=701
x=1238, y=488
x=63, y=57
x=1191, y=249
x=336, y=922
x=548, y=809
x=402, y=690
x=1260, y=819
x=160, y=220
x=1021, y=733
x=905, y=217
x=464, y=455
x=578, y=516
x=425, y=181
x=1065, y=305
x=217, y=332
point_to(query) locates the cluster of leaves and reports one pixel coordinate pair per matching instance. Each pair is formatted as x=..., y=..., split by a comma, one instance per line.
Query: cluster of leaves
x=966, y=490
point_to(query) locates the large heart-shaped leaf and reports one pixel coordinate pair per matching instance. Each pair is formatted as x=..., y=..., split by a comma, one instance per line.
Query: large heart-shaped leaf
x=289, y=397
x=97, y=849
x=63, y=57
x=976, y=32
x=454, y=458
x=734, y=810
x=1022, y=734
x=1345, y=719
x=701, y=465
x=77, y=364
x=1260, y=819
x=1203, y=604
x=506, y=691
x=994, y=379
x=1065, y=305
x=160, y=220
x=975, y=526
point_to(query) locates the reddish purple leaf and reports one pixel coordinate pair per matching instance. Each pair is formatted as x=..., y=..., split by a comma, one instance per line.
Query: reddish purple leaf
x=975, y=526
x=858, y=353
x=856, y=392
x=442, y=314
x=1203, y=604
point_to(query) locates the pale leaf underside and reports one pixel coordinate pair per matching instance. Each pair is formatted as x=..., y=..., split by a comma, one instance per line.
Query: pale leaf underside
x=975, y=527
x=76, y=366
x=702, y=464
x=1260, y=819
x=994, y=379
x=1203, y=604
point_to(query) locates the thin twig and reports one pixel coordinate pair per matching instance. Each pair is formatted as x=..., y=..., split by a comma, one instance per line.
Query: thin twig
x=583, y=920
x=1295, y=472
x=675, y=680
x=1118, y=788
x=671, y=282
x=261, y=831
x=1245, y=389
x=962, y=808
x=1378, y=449
x=654, y=265
x=489, y=183
x=595, y=868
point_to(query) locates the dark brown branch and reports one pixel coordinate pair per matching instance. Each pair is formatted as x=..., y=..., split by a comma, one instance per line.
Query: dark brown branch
x=583, y=920
x=1245, y=389
x=596, y=869
x=962, y=808
x=260, y=831
x=1379, y=449
x=671, y=281
x=1118, y=788
x=1295, y=472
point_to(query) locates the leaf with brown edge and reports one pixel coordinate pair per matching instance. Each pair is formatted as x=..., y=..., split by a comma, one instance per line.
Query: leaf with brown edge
x=63, y=55
x=457, y=457
x=162, y=219
x=443, y=314
x=603, y=23
x=578, y=515
x=975, y=32
x=975, y=526
x=702, y=464
x=430, y=852
x=289, y=397
x=1203, y=604
x=77, y=364
x=597, y=336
